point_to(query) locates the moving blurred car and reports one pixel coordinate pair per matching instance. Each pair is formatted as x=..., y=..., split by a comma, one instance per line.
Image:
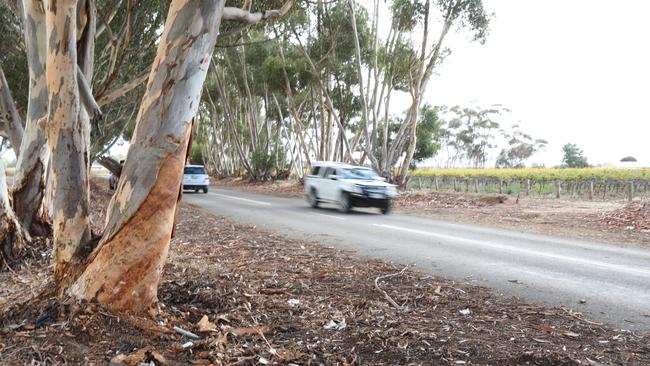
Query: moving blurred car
x=348, y=186
x=195, y=178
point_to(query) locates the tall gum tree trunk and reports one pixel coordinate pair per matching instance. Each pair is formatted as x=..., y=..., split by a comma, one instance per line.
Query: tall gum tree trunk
x=69, y=137
x=124, y=270
x=29, y=180
x=86, y=24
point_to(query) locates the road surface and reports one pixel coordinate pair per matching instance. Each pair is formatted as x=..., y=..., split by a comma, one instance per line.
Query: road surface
x=608, y=283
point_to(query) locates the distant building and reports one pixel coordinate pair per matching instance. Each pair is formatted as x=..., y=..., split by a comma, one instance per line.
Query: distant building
x=632, y=163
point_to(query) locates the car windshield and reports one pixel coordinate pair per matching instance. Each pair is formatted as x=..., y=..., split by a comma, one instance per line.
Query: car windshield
x=359, y=173
x=194, y=170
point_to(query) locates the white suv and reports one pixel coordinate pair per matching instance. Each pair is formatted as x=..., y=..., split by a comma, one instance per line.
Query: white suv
x=348, y=186
x=195, y=178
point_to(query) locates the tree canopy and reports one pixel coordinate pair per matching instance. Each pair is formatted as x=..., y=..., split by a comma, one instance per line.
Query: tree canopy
x=573, y=157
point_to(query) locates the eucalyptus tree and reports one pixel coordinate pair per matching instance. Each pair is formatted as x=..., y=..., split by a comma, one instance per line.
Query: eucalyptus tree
x=250, y=126
x=241, y=106
x=12, y=97
x=116, y=64
x=460, y=14
x=122, y=266
x=521, y=146
x=374, y=69
x=428, y=133
x=469, y=134
x=573, y=157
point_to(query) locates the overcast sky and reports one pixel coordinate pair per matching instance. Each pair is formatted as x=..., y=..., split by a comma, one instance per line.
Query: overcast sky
x=571, y=71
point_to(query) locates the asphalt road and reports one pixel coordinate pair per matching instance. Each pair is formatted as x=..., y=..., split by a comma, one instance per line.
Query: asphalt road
x=608, y=283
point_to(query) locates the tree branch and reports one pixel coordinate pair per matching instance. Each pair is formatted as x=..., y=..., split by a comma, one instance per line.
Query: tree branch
x=232, y=13
x=111, y=165
x=386, y=296
x=12, y=122
x=121, y=91
x=103, y=22
x=86, y=96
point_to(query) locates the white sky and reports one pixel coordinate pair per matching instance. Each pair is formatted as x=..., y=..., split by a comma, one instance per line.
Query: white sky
x=571, y=71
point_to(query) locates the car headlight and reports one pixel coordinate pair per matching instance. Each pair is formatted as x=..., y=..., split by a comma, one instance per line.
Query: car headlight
x=354, y=188
x=391, y=191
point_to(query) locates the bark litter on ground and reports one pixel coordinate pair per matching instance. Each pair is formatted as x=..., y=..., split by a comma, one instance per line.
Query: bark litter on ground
x=254, y=297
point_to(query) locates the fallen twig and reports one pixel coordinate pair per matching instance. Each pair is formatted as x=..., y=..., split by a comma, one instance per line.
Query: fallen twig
x=186, y=333
x=388, y=298
x=571, y=313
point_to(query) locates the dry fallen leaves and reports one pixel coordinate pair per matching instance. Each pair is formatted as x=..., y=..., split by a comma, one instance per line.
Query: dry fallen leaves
x=205, y=325
x=145, y=355
x=633, y=216
x=219, y=267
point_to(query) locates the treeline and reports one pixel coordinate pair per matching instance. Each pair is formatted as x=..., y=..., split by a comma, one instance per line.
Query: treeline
x=321, y=84
x=329, y=80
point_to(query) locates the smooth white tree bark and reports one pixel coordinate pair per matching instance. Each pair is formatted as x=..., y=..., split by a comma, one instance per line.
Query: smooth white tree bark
x=29, y=179
x=68, y=133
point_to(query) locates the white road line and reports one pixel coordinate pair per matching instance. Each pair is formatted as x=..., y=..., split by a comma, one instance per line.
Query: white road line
x=485, y=243
x=241, y=199
x=330, y=216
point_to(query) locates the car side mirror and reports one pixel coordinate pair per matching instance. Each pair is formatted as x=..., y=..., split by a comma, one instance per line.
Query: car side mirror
x=333, y=177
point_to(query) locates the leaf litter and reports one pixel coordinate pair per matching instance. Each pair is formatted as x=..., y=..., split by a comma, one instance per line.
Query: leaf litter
x=234, y=287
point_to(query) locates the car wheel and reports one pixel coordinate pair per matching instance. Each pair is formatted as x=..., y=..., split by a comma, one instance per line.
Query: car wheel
x=313, y=199
x=196, y=190
x=385, y=209
x=344, y=202
x=205, y=190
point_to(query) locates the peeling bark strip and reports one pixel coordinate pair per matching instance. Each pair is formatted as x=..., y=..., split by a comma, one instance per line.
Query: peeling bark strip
x=125, y=269
x=68, y=134
x=29, y=181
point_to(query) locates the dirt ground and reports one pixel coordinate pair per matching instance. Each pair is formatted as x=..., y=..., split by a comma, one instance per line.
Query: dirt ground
x=601, y=221
x=287, y=188
x=251, y=297
x=608, y=221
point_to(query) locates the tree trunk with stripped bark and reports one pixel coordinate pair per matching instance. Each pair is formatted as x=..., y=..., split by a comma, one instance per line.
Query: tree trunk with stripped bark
x=124, y=270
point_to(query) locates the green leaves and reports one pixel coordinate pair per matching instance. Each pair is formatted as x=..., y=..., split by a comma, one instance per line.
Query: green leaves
x=469, y=14
x=407, y=14
x=13, y=57
x=428, y=133
x=521, y=147
x=573, y=157
x=470, y=132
